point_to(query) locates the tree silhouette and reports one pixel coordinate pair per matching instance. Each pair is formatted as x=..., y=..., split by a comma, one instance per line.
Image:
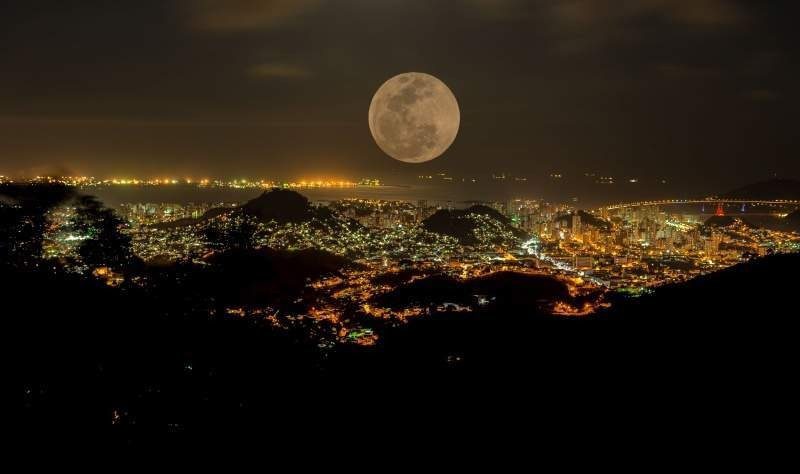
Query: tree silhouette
x=236, y=233
x=23, y=220
x=105, y=244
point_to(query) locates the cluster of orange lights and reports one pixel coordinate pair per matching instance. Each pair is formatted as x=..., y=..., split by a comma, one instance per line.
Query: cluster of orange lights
x=565, y=309
x=239, y=183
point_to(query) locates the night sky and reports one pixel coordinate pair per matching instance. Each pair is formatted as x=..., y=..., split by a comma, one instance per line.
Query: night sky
x=696, y=91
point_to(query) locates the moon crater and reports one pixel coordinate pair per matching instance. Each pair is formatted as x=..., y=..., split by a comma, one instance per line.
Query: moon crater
x=414, y=117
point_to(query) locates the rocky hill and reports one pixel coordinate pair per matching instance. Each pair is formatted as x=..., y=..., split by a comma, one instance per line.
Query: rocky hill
x=476, y=225
x=276, y=205
x=586, y=219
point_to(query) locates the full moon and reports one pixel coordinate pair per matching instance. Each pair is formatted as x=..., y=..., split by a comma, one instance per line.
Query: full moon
x=414, y=117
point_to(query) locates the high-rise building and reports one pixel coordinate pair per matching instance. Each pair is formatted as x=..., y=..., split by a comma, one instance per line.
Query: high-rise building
x=512, y=207
x=422, y=210
x=711, y=245
x=576, y=225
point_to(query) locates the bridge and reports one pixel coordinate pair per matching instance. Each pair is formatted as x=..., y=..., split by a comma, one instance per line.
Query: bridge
x=712, y=201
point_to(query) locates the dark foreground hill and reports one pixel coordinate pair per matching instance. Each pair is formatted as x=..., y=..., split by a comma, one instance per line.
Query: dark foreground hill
x=502, y=289
x=716, y=327
x=165, y=364
x=265, y=276
x=760, y=294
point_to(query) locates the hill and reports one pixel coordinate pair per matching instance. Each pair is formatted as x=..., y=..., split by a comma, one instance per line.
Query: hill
x=510, y=290
x=774, y=189
x=476, y=225
x=756, y=293
x=266, y=276
x=792, y=221
x=132, y=366
x=278, y=205
x=586, y=219
x=726, y=221
x=731, y=323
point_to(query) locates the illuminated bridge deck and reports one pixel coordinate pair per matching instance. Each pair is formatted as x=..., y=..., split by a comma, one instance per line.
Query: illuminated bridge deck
x=677, y=202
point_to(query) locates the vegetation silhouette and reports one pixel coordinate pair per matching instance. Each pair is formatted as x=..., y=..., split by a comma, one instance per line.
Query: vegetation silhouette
x=280, y=206
x=160, y=359
x=23, y=219
x=104, y=244
x=501, y=289
x=461, y=223
x=235, y=233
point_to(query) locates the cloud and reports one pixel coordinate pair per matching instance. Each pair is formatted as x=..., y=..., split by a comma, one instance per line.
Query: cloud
x=578, y=26
x=581, y=25
x=589, y=12
x=244, y=15
x=688, y=71
x=498, y=9
x=692, y=13
x=280, y=70
x=763, y=95
x=705, y=13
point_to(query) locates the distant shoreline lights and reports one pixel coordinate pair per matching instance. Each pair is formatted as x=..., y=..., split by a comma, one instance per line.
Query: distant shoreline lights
x=89, y=181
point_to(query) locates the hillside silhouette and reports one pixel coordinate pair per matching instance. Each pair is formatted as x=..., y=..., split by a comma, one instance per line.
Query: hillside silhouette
x=792, y=221
x=168, y=364
x=727, y=320
x=510, y=290
x=168, y=357
x=727, y=221
x=462, y=224
x=266, y=276
x=279, y=205
x=757, y=293
x=586, y=219
x=276, y=205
